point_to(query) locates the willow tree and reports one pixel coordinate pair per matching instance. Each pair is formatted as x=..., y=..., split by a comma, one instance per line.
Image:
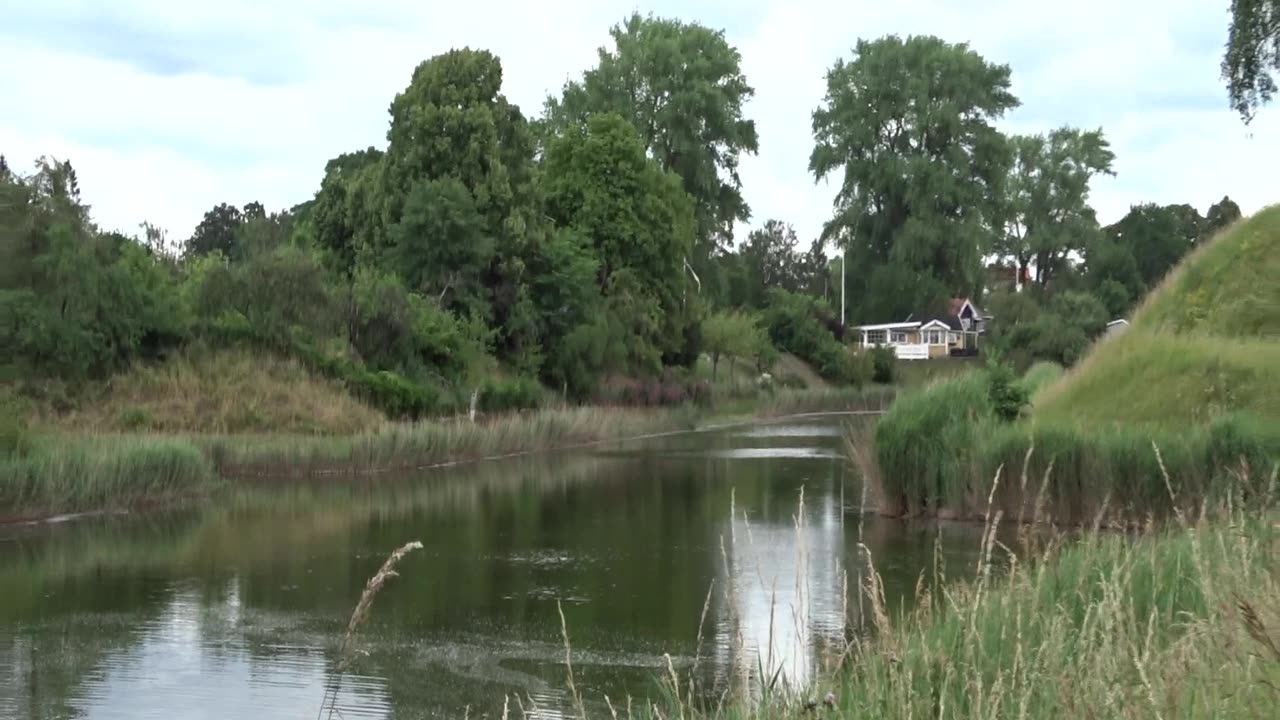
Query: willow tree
x=1252, y=55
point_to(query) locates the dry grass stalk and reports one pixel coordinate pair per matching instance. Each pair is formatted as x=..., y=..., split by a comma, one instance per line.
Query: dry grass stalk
x=568, y=663
x=371, y=589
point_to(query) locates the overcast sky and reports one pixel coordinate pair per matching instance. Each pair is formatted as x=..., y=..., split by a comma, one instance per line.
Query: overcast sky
x=168, y=108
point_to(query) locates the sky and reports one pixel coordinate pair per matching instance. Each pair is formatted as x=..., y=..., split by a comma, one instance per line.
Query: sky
x=166, y=109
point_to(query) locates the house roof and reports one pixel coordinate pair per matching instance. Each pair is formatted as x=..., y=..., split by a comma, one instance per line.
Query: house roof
x=889, y=326
x=951, y=322
x=957, y=304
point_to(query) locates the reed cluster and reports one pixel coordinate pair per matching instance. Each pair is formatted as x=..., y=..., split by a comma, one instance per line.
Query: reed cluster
x=100, y=473
x=936, y=451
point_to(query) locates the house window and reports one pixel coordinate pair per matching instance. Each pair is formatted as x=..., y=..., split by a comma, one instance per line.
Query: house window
x=875, y=337
x=933, y=337
x=899, y=338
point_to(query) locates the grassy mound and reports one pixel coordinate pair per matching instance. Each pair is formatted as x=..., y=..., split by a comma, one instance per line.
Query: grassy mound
x=1230, y=286
x=1205, y=342
x=219, y=391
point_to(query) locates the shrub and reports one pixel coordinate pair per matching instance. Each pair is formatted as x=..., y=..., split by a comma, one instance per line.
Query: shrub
x=504, y=395
x=884, y=363
x=1009, y=397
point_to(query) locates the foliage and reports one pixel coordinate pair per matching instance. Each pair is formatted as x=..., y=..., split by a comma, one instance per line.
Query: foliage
x=736, y=335
x=909, y=122
x=1009, y=398
x=885, y=364
x=636, y=217
x=514, y=394
x=794, y=325
x=1046, y=212
x=75, y=303
x=1252, y=55
x=680, y=85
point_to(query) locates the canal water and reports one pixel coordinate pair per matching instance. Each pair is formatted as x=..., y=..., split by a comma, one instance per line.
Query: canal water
x=720, y=555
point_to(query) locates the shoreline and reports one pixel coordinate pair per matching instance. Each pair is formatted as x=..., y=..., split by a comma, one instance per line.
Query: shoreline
x=390, y=450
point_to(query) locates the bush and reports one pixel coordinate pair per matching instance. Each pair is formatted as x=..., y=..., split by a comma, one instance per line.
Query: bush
x=504, y=395
x=884, y=363
x=1009, y=397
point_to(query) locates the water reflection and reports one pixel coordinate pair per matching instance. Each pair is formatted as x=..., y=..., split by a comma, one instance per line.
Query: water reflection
x=235, y=609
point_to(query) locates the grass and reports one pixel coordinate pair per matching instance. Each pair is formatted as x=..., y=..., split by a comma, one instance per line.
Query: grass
x=1204, y=342
x=217, y=391
x=100, y=473
x=1183, y=623
x=1227, y=287
x=1041, y=374
x=937, y=450
x=1188, y=387
x=1156, y=379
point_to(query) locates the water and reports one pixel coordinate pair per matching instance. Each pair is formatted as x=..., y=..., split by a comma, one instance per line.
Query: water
x=235, y=609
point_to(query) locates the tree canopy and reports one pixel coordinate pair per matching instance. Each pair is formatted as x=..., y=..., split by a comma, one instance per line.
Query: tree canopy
x=680, y=85
x=1252, y=55
x=909, y=122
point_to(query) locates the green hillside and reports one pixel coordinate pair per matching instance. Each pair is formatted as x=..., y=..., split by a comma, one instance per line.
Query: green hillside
x=1205, y=343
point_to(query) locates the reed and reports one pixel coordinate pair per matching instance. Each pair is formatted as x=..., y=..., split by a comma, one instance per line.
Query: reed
x=1179, y=622
x=936, y=451
x=100, y=473
x=402, y=446
x=371, y=590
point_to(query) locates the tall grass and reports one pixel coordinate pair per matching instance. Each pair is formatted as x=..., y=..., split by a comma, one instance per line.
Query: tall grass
x=936, y=451
x=1182, y=623
x=100, y=473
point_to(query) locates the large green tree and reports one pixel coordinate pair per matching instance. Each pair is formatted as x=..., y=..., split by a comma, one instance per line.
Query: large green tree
x=681, y=85
x=453, y=121
x=637, y=217
x=1046, y=215
x=909, y=122
x=1252, y=55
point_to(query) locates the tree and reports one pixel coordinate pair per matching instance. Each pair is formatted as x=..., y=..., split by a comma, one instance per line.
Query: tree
x=769, y=259
x=1046, y=212
x=636, y=216
x=1158, y=236
x=453, y=121
x=910, y=124
x=733, y=334
x=345, y=216
x=440, y=247
x=1221, y=214
x=218, y=231
x=681, y=86
x=1252, y=55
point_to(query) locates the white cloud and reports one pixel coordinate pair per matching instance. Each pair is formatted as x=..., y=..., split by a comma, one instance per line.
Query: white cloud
x=162, y=125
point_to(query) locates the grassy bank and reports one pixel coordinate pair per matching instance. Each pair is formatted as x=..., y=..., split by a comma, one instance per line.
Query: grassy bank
x=1181, y=623
x=64, y=472
x=944, y=451
x=414, y=445
x=211, y=391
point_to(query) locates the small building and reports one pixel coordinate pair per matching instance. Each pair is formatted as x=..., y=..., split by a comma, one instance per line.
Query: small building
x=1117, y=326
x=954, y=333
